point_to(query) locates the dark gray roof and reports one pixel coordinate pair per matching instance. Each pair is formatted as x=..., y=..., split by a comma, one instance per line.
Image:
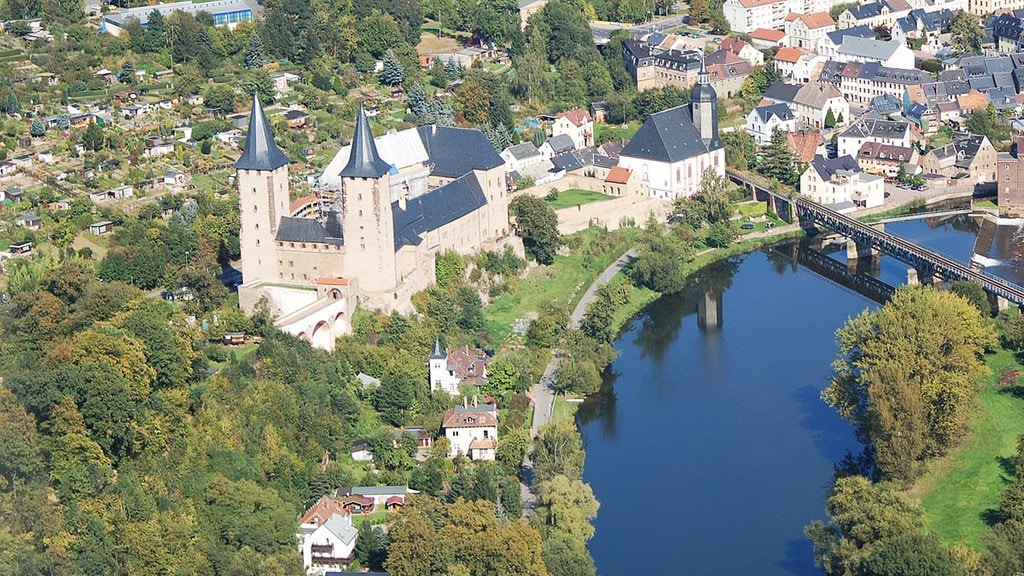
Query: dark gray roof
x=781, y=92
x=524, y=150
x=781, y=111
x=261, y=153
x=438, y=351
x=436, y=208
x=982, y=83
x=866, y=11
x=304, y=230
x=998, y=65
x=861, y=31
x=667, y=136
x=827, y=167
x=457, y=151
x=952, y=75
x=561, y=143
x=363, y=159
x=567, y=162
x=885, y=104
x=1003, y=79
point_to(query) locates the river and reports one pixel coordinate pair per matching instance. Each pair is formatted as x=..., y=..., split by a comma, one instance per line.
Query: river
x=709, y=447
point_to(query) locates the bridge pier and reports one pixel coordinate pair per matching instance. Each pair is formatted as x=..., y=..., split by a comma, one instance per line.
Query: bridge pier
x=916, y=277
x=869, y=266
x=709, y=310
x=856, y=250
x=998, y=303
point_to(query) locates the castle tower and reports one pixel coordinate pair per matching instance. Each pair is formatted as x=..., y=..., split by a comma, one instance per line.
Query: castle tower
x=367, y=220
x=704, y=109
x=262, y=177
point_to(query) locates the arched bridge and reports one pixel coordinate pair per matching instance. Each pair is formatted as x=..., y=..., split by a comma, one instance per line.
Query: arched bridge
x=926, y=262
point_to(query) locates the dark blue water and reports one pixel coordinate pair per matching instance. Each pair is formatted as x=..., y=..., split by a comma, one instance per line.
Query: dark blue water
x=710, y=448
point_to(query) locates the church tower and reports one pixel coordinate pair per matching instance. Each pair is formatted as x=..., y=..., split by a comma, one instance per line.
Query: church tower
x=367, y=220
x=262, y=177
x=704, y=109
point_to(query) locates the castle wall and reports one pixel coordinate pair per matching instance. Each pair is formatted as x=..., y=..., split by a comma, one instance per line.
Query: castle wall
x=304, y=263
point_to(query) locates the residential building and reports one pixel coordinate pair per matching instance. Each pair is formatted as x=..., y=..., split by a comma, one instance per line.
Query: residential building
x=806, y=144
x=983, y=8
x=811, y=103
x=874, y=14
x=861, y=83
x=393, y=203
x=327, y=544
x=556, y=145
x=521, y=156
x=652, y=67
x=831, y=41
x=767, y=38
x=745, y=16
x=370, y=498
x=891, y=53
x=840, y=183
x=673, y=148
x=897, y=133
x=786, y=60
x=228, y=13
x=471, y=431
x=969, y=156
x=886, y=160
x=577, y=125
x=448, y=370
x=744, y=50
x=1010, y=187
x=727, y=78
x=805, y=30
x=763, y=120
x=1008, y=32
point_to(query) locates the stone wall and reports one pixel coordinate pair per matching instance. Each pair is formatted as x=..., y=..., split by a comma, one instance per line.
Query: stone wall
x=606, y=214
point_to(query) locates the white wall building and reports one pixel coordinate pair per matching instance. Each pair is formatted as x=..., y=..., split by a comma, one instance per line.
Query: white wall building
x=840, y=183
x=472, y=431
x=329, y=546
x=764, y=119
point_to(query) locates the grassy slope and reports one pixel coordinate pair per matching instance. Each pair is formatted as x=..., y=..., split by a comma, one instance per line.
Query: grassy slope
x=576, y=197
x=959, y=490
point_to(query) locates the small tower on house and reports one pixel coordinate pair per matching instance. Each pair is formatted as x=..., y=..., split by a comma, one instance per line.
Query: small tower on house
x=438, y=368
x=704, y=109
x=262, y=178
x=367, y=216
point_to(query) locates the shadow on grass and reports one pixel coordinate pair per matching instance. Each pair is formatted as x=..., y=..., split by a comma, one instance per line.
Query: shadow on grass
x=992, y=516
x=1017, y=391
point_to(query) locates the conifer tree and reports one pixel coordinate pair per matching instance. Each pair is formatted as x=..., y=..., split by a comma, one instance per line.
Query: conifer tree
x=391, y=74
x=254, y=54
x=38, y=129
x=777, y=160
x=830, y=119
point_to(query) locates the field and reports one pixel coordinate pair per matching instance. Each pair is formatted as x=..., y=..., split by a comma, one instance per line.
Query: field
x=576, y=197
x=961, y=491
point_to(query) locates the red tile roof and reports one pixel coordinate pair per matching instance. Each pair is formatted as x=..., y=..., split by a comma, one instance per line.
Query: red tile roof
x=791, y=55
x=399, y=500
x=886, y=153
x=320, y=512
x=618, y=175
x=577, y=116
x=813, y=20
x=481, y=444
x=756, y=3
x=804, y=144
x=300, y=202
x=769, y=35
x=467, y=418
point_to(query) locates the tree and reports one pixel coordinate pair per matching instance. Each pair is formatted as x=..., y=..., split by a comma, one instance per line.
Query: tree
x=778, y=161
x=537, y=224
x=966, y=33
x=830, y=119
x=986, y=121
x=473, y=99
x=20, y=449
x=908, y=374
x=38, y=129
x=391, y=74
x=660, y=262
x=740, y=149
x=8, y=97
x=566, y=505
x=973, y=293
x=254, y=54
x=567, y=556
x=558, y=450
x=93, y=137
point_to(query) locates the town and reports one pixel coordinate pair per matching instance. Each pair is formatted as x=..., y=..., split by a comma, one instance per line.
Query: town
x=306, y=287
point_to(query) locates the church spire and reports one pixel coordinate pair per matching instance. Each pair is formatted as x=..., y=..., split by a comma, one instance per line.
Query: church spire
x=704, y=108
x=363, y=160
x=261, y=153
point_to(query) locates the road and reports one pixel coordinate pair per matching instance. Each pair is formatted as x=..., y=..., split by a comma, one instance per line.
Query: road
x=603, y=30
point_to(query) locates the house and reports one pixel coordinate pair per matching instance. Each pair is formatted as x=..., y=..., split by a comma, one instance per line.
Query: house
x=327, y=544
x=8, y=168
x=745, y=16
x=226, y=13
x=119, y=193
x=742, y=49
x=157, y=147
x=1007, y=32
x=556, y=145
x=763, y=120
x=651, y=66
x=891, y=53
x=874, y=14
x=891, y=132
x=983, y=8
x=577, y=125
x=673, y=148
x=970, y=155
x=449, y=370
x=283, y=81
x=296, y=118
x=831, y=41
x=472, y=431
x=768, y=38
x=812, y=103
x=361, y=451
x=727, y=72
x=423, y=438
x=805, y=30
x=886, y=159
x=29, y=221
x=20, y=248
x=840, y=183
x=100, y=228
x=136, y=110
x=620, y=182
x=786, y=60
x=1010, y=186
x=372, y=497
x=175, y=178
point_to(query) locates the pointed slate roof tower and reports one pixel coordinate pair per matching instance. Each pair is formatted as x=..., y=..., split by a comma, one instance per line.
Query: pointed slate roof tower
x=261, y=153
x=438, y=351
x=363, y=160
x=704, y=109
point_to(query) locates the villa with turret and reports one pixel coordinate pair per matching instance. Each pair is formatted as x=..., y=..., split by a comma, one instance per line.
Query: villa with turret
x=384, y=209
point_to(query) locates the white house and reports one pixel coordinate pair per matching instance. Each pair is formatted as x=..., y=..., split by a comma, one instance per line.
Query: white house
x=890, y=132
x=472, y=431
x=576, y=124
x=805, y=30
x=673, y=148
x=840, y=183
x=764, y=119
x=449, y=370
x=557, y=145
x=892, y=53
x=521, y=156
x=744, y=50
x=329, y=546
x=811, y=103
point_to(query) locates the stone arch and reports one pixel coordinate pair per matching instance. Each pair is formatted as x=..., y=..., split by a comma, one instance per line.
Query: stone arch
x=335, y=294
x=340, y=323
x=321, y=336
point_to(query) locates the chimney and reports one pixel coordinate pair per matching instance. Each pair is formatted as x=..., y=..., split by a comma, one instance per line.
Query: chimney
x=464, y=404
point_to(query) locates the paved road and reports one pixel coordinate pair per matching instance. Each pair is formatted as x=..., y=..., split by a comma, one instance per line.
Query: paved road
x=602, y=31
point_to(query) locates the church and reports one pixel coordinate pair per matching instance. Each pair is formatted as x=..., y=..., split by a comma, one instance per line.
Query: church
x=369, y=236
x=673, y=148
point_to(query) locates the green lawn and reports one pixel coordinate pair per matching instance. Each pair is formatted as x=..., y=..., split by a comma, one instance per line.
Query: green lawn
x=576, y=197
x=959, y=490
x=611, y=132
x=207, y=183
x=562, y=283
x=564, y=409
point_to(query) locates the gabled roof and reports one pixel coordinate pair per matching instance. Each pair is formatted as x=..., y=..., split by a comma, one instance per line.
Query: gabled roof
x=457, y=151
x=866, y=11
x=868, y=47
x=789, y=54
x=817, y=95
x=363, y=159
x=304, y=230
x=768, y=35
x=566, y=161
x=463, y=417
x=782, y=92
x=321, y=511
x=804, y=144
x=667, y=136
x=341, y=527
x=261, y=152
x=577, y=116
x=877, y=129
x=780, y=111
x=860, y=31
x=436, y=208
x=827, y=167
x=618, y=175
x=561, y=143
x=523, y=151
x=885, y=152
x=812, y=21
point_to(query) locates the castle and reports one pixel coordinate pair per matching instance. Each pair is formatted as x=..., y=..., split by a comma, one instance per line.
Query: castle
x=371, y=232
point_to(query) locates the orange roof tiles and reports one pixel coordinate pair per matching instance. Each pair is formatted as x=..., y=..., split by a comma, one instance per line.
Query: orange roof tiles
x=812, y=21
x=618, y=175
x=320, y=512
x=973, y=100
x=769, y=35
x=916, y=94
x=300, y=202
x=791, y=55
x=577, y=116
x=804, y=144
x=756, y=3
